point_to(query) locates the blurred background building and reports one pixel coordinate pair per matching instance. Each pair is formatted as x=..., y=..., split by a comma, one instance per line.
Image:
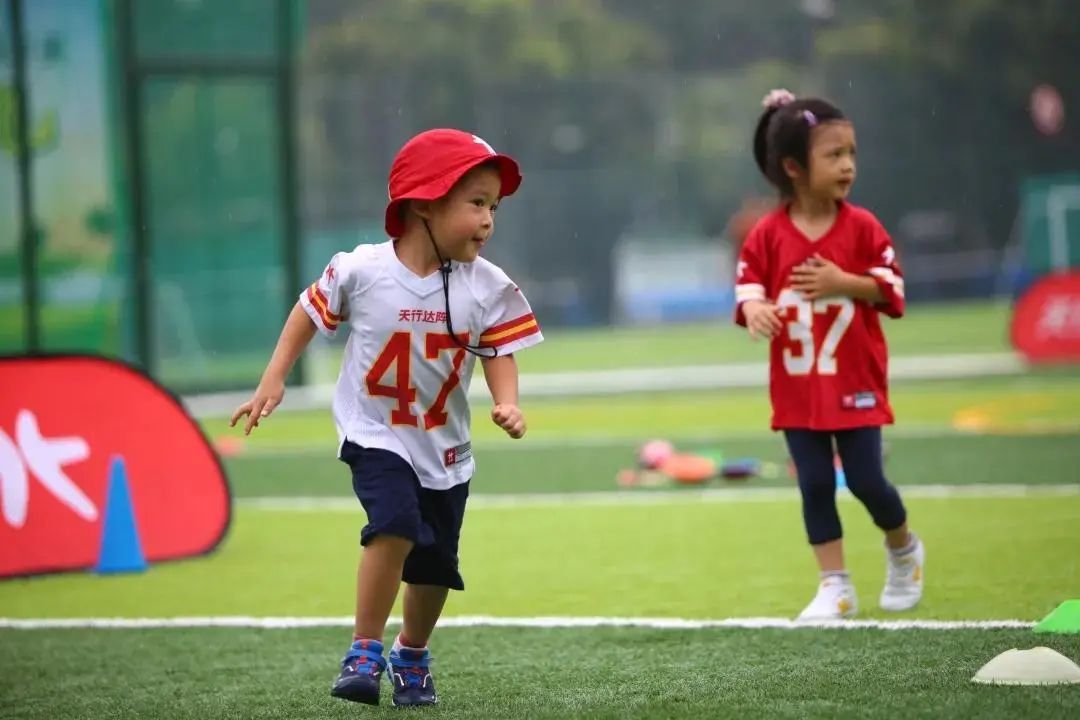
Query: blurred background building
x=183, y=167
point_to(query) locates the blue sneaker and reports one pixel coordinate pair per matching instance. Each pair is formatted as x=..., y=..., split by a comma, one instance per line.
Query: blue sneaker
x=411, y=676
x=361, y=673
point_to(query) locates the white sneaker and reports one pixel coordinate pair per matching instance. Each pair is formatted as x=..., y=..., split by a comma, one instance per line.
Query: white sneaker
x=835, y=600
x=904, y=579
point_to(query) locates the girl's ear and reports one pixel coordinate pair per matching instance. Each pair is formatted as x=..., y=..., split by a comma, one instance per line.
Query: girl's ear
x=791, y=168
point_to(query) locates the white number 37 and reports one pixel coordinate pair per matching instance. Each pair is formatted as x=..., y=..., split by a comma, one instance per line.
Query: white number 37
x=801, y=331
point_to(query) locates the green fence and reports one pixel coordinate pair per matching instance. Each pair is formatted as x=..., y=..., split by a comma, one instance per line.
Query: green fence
x=160, y=183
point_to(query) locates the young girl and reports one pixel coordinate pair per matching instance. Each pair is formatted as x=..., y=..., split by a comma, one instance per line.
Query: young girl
x=813, y=276
x=421, y=307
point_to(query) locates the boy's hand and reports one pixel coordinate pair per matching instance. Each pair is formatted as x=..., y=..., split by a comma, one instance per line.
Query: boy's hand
x=509, y=418
x=762, y=319
x=818, y=277
x=267, y=397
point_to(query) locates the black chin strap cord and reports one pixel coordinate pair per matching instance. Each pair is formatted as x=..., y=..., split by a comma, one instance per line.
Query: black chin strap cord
x=445, y=269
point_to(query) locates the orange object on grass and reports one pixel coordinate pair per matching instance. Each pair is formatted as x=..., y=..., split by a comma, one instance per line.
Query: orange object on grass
x=689, y=469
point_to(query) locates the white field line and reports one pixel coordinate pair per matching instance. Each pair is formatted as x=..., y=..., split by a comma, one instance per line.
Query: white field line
x=655, y=379
x=652, y=497
x=471, y=621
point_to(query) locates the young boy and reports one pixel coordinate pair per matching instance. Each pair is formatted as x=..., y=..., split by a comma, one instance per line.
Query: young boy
x=421, y=307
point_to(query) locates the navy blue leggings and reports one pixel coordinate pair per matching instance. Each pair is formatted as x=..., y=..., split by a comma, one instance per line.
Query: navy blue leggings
x=860, y=453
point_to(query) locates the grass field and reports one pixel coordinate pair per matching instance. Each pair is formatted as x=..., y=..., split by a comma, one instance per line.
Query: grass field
x=989, y=468
x=498, y=673
x=925, y=330
x=675, y=556
x=1021, y=429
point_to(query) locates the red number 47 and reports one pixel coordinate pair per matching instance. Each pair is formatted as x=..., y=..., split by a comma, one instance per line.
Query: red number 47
x=396, y=355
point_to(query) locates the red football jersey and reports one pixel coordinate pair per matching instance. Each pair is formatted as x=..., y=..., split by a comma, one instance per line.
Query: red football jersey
x=828, y=365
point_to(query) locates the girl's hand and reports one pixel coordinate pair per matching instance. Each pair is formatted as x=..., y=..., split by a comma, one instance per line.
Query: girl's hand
x=509, y=418
x=267, y=397
x=818, y=277
x=762, y=319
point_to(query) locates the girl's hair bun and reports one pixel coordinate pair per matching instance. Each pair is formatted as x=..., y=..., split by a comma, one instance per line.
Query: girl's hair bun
x=778, y=98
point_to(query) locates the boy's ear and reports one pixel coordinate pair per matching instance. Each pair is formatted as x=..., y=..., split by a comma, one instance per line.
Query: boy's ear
x=422, y=208
x=791, y=167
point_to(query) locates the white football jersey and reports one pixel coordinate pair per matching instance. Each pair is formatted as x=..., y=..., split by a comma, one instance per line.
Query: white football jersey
x=403, y=383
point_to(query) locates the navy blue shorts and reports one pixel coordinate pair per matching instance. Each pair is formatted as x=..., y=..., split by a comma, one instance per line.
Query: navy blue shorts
x=396, y=504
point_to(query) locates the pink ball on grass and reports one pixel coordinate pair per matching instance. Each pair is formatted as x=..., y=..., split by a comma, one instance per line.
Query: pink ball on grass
x=655, y=453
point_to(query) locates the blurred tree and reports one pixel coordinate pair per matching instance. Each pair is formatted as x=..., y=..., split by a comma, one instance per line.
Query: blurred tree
x=485, y=39
x=706, y=35
x=557, y=84
x=638, y=113
x=960, y=75
x=476, y=64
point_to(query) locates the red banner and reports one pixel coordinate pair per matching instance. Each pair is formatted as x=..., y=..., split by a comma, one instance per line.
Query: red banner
x=62, y=421
x=1046, y=322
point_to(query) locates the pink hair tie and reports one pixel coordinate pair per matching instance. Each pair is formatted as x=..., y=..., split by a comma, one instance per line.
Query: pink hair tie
x=811, y=118
x=778, y=98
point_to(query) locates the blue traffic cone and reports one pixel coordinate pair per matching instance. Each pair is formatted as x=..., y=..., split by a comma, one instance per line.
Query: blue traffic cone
x=121, y=550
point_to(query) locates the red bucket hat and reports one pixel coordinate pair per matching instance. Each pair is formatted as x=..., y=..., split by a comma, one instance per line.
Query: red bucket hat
x=431, y=162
